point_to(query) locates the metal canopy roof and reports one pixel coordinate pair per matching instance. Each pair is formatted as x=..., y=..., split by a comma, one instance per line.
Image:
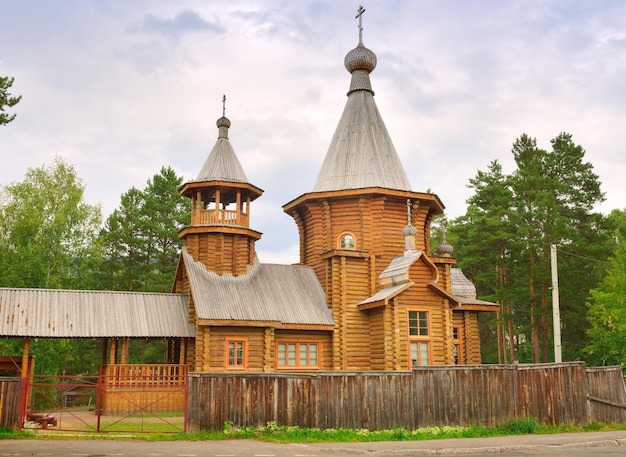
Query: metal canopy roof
x=93, y=314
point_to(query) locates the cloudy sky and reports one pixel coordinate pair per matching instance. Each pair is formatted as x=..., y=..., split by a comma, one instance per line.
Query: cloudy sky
x=119, y=89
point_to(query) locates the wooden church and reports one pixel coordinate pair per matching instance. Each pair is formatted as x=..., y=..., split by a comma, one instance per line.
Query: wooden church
x=368, y=293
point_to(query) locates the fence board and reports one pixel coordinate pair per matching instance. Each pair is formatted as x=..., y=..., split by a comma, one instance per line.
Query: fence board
x=429, y=396
x=606, y=393
x=10, y=395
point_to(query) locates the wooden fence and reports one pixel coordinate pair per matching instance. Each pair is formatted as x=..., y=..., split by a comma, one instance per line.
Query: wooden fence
x=10, y=396
x=490, y=395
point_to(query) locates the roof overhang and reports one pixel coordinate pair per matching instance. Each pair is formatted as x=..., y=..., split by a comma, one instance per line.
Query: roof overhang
x=190, y=187
x=382, y=297
x=432, y=200
x=473, y=304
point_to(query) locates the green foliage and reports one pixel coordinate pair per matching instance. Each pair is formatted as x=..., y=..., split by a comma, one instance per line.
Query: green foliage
x=607, y=312
x=48, y=231
x=523, y=426
x=140, y=238
x=506, y=233
x=6, y=100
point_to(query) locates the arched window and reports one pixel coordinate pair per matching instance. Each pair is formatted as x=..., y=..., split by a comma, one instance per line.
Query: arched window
x=347, y=241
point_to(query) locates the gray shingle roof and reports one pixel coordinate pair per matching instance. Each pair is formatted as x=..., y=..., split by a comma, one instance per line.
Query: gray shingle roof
x=460, y=285
x=361, y=153
x=284, y=294
x=222, y=163
x=92, y=314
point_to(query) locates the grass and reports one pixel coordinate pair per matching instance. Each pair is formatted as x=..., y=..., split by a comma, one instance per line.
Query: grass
x=291, y=434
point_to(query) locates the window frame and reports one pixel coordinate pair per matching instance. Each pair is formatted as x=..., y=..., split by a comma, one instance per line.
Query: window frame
x=243, y=340
x=419, y=338
x=458, y=345
x=298, y=363
x=341, y=238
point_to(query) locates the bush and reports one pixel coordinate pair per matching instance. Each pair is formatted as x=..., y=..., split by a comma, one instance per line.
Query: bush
x=524, y=426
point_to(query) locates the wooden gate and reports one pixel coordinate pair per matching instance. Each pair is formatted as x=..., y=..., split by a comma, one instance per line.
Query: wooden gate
x=123, y=398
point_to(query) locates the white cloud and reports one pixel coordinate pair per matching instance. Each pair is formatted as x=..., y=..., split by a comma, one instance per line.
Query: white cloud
x=120, y=89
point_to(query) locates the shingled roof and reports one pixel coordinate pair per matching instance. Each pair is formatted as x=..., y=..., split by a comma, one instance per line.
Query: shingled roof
x=361, y=153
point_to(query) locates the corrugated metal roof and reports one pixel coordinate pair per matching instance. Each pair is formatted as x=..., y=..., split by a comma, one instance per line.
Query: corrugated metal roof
x=92, y=314
x=222, y=163
x=361, y=153
x=461, y=286
x=271, y=293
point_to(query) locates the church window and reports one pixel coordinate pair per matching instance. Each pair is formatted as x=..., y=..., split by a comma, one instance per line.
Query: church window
x=347, y=241
x=419, y=338
x=297, y=354
x=236, y=354
x=456, y=338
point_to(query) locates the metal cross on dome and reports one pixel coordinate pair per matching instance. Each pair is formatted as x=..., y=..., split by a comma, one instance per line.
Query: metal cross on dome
x=224, y=106
x=360, y=12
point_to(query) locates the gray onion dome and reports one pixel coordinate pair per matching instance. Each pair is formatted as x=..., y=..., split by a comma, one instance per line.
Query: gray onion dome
x=223, y=123
x=445, y=249
x=360, y=58
x=409, y=230
x=360, y=62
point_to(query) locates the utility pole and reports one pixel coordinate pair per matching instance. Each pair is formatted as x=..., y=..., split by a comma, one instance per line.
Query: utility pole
x=556, y=315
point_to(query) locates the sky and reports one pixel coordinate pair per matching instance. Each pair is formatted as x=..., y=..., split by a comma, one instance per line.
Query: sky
x=120, y=89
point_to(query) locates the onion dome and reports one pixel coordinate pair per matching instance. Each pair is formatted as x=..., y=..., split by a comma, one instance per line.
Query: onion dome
x=409, y=232
x=223, y=124
x=360, y=62
x=445, y=249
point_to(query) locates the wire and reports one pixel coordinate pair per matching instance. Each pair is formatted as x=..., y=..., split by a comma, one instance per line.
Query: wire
x=582, y=257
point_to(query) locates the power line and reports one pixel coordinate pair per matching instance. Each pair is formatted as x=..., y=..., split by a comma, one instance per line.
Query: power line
x=582, y=257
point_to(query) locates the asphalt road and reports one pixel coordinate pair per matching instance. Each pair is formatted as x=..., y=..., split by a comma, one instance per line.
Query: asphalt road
x=566, y=444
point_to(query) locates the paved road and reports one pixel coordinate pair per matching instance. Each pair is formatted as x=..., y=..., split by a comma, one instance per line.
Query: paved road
x=570, y=445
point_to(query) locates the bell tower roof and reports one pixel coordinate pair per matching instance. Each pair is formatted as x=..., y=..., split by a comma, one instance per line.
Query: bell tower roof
x=361, y=153
x=222, y=163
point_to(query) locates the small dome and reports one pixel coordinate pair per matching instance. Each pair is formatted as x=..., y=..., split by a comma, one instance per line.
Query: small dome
x=360, y=58
x=223, y=122
x=445, y=249
x=409, y=230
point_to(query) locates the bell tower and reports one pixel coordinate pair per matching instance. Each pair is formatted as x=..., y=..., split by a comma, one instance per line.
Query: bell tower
x=220, y=235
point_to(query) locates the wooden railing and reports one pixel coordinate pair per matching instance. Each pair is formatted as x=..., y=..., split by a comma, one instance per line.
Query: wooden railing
x=222, y=216
x=152, y=375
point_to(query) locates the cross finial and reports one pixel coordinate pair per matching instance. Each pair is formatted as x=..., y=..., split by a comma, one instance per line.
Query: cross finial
x=444, y=227
x=408, y=210
x=224, y=106
x=360, y=12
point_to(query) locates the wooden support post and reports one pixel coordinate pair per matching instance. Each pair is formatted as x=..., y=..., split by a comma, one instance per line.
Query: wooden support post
x=239, y=210
x=124, y=358
x=182, y=357
x=25, y=351
x=113, y=352
x=105, y=346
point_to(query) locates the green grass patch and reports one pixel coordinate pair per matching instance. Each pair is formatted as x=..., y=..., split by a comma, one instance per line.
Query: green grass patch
x=273, y=432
